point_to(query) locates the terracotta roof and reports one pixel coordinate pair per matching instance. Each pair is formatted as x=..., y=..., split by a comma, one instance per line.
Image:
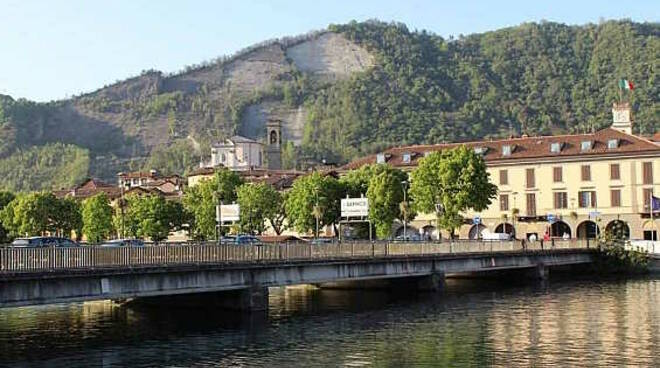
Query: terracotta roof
x=656, y=137
x=524, y=148
x=137, y=174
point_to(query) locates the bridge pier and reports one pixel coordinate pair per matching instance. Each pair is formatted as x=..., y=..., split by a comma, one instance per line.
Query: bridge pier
x=540, y=272
x=250, y=299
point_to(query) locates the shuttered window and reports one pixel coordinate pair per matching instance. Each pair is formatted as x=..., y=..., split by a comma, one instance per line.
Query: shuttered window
x=557, y=174
x=504, y=177
x=615, y=198
x=587, y=199
x=647, y=198
x=531, y=180
x=586, y=173
x=647, y=171
x=615, y=172
x=561, y=200
x=504, y=202
x=531, y=204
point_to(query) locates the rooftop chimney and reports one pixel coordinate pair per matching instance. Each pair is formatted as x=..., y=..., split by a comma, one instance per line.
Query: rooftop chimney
x=621, y=119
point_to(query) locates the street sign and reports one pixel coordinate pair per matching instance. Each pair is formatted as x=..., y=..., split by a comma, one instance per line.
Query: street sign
x=551, y=218
x=594, y=214
x=354, y=207
x=227, y=212
x=476, y=220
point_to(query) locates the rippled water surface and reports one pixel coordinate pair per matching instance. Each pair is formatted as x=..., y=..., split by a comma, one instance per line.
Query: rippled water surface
x=471, y=323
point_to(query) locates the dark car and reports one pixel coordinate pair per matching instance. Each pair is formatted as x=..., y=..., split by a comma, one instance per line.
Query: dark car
x=124, y=243
x=247, y=240
x=43, y=241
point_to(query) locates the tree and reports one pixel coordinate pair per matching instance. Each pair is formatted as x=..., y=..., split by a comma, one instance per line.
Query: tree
x=66, y=216
x=97, y=218
x=457, y=180
x=151, y=216
x=200, y=201
x=259, y=202
x=313, y=196
x=5, y=199
x=29, y=214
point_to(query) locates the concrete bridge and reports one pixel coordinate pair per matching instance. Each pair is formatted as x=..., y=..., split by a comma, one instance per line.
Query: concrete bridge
x=239, y=276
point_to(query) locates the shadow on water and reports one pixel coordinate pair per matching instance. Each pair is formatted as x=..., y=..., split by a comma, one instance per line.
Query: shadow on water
x=470, y=322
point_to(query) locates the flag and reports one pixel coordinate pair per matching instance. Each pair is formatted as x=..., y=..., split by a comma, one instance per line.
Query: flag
x=626, y=84
x=655, y=203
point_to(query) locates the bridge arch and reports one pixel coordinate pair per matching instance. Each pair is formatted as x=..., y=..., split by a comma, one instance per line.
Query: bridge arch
x=587, y=230
x=618, y=228
x=559, y=228
x=476, y=231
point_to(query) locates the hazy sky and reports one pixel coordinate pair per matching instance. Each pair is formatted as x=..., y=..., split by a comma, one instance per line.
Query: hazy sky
x=51, y=49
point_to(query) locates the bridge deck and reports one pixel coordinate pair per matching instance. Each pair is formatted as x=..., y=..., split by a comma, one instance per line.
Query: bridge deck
x=15, y=262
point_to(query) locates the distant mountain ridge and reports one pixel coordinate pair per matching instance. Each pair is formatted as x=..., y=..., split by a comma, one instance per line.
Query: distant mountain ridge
x=342, y=92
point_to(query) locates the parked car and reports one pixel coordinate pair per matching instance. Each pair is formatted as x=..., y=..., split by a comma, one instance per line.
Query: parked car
x=124, y=243
x=247, y=240
x=408, y=238
x=322, y=241
x=43, y=241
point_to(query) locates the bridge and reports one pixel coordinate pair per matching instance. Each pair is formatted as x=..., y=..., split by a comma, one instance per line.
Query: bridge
x=239, y=276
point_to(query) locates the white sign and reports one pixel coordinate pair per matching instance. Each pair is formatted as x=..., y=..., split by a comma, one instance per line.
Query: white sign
x=227, y=212
x=354, y=207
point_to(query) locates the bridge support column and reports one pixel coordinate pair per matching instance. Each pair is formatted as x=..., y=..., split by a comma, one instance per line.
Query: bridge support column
x=250, y=299
x=540, y=272
x=433, y=282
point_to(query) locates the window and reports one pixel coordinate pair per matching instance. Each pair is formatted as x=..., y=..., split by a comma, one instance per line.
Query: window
x=647, y=171
x=647, y=198
x=612, y=143
x=223, y=157
x=585, y=145
x=587, y=199
x=531, y=204
x=504, y=177
x=615, y=172
x=615, y=198
x=561, y=200
x=406, y=158
x=380, y=158
x=480, y=150
x=504, y=202
x=531, y=180
x=557, y=174
x=555, y=147
x=586, y=173
x=506, y=150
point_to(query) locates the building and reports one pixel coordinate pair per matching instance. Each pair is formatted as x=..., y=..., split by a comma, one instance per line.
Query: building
x=279, y=179
x=568, y=185
x=90, y=188
x=237, y=153
x=274, y=147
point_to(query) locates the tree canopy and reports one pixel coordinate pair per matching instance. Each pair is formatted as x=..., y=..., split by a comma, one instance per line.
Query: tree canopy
x=152, y=217
x=97, y=218
x=456, y=179
x=313, y=196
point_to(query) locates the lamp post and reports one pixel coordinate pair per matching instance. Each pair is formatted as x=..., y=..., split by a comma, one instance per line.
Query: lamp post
x=439, y=210
x=404, y=185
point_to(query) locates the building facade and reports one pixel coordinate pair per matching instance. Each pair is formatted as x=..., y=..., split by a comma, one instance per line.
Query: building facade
x=237, y=153
x=557, y=186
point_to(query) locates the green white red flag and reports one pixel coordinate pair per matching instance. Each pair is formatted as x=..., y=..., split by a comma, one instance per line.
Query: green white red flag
x=626, y=84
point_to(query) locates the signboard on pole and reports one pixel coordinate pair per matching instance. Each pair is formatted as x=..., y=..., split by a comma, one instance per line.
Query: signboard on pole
x=354, y=207
x=476, y=220
x=594, y=214
x=551, y=218
x=227, y=213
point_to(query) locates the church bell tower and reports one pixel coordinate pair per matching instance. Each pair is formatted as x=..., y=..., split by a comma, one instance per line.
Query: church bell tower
x=274, y=144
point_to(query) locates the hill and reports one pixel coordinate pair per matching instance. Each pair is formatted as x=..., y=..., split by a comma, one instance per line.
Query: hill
x=343, y=92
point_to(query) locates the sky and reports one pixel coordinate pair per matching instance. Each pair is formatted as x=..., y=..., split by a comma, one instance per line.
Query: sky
x=51, y=50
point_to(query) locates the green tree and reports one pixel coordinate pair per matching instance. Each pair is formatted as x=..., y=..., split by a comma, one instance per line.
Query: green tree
x=38, y=212
x=456, y=179
x=313, y=197
x=151, y=216
x=259, y=202
x=5, y=199
x=200, y=201
x=97, y=218
x=66, y=216
x=385, y=196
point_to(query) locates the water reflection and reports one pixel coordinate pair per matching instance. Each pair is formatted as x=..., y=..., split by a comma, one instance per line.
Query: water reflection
x=477, y=322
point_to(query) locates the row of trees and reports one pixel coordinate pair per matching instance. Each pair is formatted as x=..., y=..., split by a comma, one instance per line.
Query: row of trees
x=447, y=183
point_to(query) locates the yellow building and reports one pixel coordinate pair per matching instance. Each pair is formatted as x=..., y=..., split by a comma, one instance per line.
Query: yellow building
x=581, y=184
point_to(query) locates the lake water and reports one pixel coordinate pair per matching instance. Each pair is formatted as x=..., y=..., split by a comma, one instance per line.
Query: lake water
x=471, y=323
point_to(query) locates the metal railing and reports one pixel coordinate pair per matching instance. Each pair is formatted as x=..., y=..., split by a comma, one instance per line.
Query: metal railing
x=13, y=260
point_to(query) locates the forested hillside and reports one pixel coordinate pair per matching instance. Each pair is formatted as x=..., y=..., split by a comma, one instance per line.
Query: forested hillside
x=341, y=93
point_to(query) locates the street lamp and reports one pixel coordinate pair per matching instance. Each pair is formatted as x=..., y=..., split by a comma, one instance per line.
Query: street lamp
x=439, y=211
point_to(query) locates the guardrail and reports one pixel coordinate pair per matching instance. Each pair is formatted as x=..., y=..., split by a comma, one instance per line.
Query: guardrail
x=13, y=260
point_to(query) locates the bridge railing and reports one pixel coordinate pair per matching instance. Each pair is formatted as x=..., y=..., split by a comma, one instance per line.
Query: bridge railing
x=14, y=260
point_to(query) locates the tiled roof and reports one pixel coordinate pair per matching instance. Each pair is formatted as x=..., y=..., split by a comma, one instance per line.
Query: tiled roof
x=137, y=174
x=524, y=148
